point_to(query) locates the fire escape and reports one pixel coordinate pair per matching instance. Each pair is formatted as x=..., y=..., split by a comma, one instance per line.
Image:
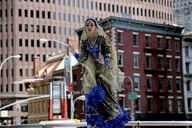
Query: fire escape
x=155, y=66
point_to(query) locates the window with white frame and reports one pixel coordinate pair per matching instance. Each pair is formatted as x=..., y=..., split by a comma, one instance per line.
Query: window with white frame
x=171, y=107
x=120, y=37
x=168, y=43
x=186, y=51
x=150, y=104
x=177, y=45
x=136, y=60
x=149, y=82
x=162, y=104
x=135, y=39
x=189, y=104
x=187, y=67
x=169, y=63
x=178, y=84
x=122, y=100
x=148, y=61
x=160, y=62
x=120, y=58
x=161, y=83
x=136, y=81
x=159, y=42
x=137, y=104
x=178, y=66
x=170, y=84
x=148, y=42
x=179, y=105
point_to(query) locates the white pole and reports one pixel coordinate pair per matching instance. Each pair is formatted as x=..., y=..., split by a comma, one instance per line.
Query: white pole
x=15, y=56
x=132, y=105
x=21, y=101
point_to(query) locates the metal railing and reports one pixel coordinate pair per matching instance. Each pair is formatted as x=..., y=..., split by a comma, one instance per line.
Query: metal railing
x=84, y=124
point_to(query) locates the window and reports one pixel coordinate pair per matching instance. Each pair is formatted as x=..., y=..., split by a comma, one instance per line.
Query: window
x=169, y=63
x=148, y=61
x=64, y=16
x=26, y=13
x=37, y=14
x=189, y=104
x=26, y=42
x=109, y=7
x=20, y=27
x=186, y=51
x=26, y=27
x=187, y=67
x=32, y=43
x=169, y=82
x=177, y=45
x=49, y=29
x=68, y=3
x=137, y=104
x=37, y=28
x=43, y=14
x=136, y=82
x=20, y=42
x=120, y=58
x=159, y=42
x=31, y=13
x=69, y=17
x=49, y=15
x=188, y=85
x=178, y=84
x=100, y=6
x=168, y=44
x=160, y=62
x=150, y=104
x=32, y=28
x=21, y=72
x=177, y=63
x=135, y=39
x=162, y=104
x=26, y=57
x=54, y=15
x=136, y=60
x=44, y=58
x=120, y=37
x=161, y=84
x=147, y=41
x=82, y=3
x=20, y=12
x=43, y=28
x=149, y=83
x=179, y=105
x=171, y=105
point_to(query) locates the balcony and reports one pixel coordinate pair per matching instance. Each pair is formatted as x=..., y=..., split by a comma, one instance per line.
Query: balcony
x=156, y=93
x=162, y=69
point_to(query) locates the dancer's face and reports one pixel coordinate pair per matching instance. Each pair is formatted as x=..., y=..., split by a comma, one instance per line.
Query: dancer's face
x=90, y=27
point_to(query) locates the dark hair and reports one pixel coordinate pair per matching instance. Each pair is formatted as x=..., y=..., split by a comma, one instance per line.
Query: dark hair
x=93, y=19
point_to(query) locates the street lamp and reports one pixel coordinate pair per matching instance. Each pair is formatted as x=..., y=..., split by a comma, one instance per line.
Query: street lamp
x=71, y=78
x=15, y=56
x=82, y=98
x=132, y=103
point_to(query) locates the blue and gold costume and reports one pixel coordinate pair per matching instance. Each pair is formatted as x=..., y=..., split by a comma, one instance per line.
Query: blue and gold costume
x=102, y=108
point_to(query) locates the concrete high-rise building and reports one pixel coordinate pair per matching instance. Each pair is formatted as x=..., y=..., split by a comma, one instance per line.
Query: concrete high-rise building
x=182, y=14
x=24, y=22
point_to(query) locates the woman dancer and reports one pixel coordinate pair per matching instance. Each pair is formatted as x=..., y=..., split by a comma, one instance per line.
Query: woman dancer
x=100, y=82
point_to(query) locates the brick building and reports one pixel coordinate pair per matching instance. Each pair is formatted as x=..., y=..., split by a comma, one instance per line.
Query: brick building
x=150, y=55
